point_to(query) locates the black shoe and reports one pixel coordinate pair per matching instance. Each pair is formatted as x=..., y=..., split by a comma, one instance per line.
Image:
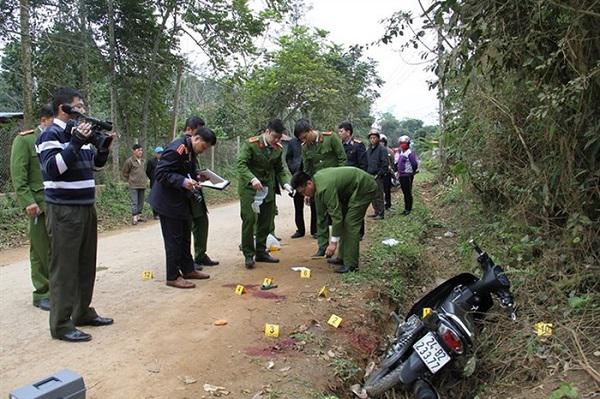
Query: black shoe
x=197, y=266
x=341, y=269
x=320, y=252
x=97, y=321
x=335, y=261
x=406, y=213
x=265, y=257
x=43, y=304
x=297, y=234
x=378, y=217
x=314, y=236
x=75, y=336
x=249, y=262
x=206, y=261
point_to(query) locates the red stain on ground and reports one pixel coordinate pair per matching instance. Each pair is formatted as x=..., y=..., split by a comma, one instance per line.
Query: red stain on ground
x=363, y=342
x=272, y=350
x=255, y=291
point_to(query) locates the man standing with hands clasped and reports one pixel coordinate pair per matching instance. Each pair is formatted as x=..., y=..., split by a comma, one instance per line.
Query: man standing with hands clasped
x=260, y=170
x=135, y=174
x=69, y=152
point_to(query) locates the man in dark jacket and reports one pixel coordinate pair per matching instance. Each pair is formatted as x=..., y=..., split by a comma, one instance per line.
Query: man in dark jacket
x=356, y=152
x=293, y=158
x=151, y=168
x=377, y=158
x=174, y=188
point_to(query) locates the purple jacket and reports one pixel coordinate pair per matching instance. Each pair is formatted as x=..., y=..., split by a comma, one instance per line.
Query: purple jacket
x=407, y=163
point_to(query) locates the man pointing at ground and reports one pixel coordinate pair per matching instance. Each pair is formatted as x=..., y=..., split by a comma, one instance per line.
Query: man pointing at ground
x=345, y=194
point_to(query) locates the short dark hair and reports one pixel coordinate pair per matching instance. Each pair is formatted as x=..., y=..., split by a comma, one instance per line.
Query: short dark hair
x=64, y=95
x=194, y=122
x=347, y=126
x=302, y=126
x=276, y=125
x=207, y=135
x=136, y=146
x=46, y=111
x=299, y=179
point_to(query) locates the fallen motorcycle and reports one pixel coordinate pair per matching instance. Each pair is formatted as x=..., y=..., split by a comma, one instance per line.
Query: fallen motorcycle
x=440, y=327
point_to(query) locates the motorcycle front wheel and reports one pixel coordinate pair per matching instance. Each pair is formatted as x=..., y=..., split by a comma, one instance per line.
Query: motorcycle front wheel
x=382, y=380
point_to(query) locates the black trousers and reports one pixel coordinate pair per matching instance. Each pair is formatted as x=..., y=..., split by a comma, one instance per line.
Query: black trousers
x=406, y=183
x=387, y=190
x=299, y=214
x=177, y=237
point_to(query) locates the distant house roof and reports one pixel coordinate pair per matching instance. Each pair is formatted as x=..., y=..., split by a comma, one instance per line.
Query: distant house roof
x=5, y=116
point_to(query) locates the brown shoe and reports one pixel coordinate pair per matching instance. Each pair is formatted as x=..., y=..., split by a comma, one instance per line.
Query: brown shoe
x=180, y=283
x=196, y=275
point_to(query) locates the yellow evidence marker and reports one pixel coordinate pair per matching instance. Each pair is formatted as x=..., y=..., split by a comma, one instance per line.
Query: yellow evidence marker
x=239, y=290
x=271, y=330
x=305, y=273
x=334, y=321
x=426, y=312
x=543, y=329
x=147, y=275
x=323, y=292
x=267, y=281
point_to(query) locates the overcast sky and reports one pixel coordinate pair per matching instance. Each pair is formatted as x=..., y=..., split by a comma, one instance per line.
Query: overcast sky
x=405, y=93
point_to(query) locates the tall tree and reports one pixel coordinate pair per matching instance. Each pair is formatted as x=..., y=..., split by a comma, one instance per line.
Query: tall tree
x=26, y=65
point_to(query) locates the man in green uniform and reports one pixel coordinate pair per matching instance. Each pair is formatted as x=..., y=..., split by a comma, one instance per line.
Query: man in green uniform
x=320, y=150
x=260, y=170
x=344, y=194
x=27, y=180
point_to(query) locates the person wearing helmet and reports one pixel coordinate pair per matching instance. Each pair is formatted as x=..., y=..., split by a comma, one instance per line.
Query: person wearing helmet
x=408, y=166
x=387, y=179
x=377, y=167
x=150, y=168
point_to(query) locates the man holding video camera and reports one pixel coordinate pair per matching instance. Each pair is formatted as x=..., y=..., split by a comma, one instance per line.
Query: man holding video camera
x=174, y=187
x=68, y=151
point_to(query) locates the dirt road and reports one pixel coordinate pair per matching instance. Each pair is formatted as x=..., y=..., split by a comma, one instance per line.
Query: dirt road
x=163, y=335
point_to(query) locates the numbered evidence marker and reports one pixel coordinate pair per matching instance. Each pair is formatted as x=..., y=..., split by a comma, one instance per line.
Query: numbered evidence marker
x=267, y=281
x=543, y=329
x=305, y=273
x=334, y=321
x=239, y=289
x=271, y=330
x=147, y=275
x=323, y=292
x=426, y=312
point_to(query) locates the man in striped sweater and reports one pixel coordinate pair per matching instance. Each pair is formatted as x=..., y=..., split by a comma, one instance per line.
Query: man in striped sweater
x=68, y=160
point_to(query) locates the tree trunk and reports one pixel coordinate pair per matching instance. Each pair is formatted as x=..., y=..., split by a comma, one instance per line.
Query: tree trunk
x=150, y=78
x=113, y=86
x=84, y=34
x=26, y=66
x=176, y=102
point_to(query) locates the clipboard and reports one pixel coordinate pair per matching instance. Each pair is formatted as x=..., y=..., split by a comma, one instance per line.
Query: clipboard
x=213, y=181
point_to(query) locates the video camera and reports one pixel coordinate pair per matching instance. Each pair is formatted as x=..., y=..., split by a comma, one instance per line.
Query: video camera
x=98, y=138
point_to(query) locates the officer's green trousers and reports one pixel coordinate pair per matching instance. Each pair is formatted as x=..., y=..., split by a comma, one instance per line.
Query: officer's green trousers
x=200, y=231
x=263, y=222
x=349, y=244
x=39, y=256
x=73, y=237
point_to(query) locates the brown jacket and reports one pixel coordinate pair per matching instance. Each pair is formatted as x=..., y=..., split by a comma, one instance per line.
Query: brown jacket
x=134, y=172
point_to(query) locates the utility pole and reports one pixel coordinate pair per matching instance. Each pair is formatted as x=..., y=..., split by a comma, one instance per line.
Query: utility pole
x=176, y=102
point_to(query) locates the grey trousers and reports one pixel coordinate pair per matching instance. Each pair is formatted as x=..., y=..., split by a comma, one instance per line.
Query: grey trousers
x=378, y=203
x=137, y=200
x=73, y=237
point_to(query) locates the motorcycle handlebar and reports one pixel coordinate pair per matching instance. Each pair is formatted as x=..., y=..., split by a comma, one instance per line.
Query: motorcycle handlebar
x=475, y=246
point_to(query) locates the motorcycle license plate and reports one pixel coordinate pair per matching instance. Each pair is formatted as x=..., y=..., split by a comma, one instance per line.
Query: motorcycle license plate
x=431, y=352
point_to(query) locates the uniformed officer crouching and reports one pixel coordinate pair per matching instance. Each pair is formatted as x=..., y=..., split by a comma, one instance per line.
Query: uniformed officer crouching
x=174, y=187
x=343, y=193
